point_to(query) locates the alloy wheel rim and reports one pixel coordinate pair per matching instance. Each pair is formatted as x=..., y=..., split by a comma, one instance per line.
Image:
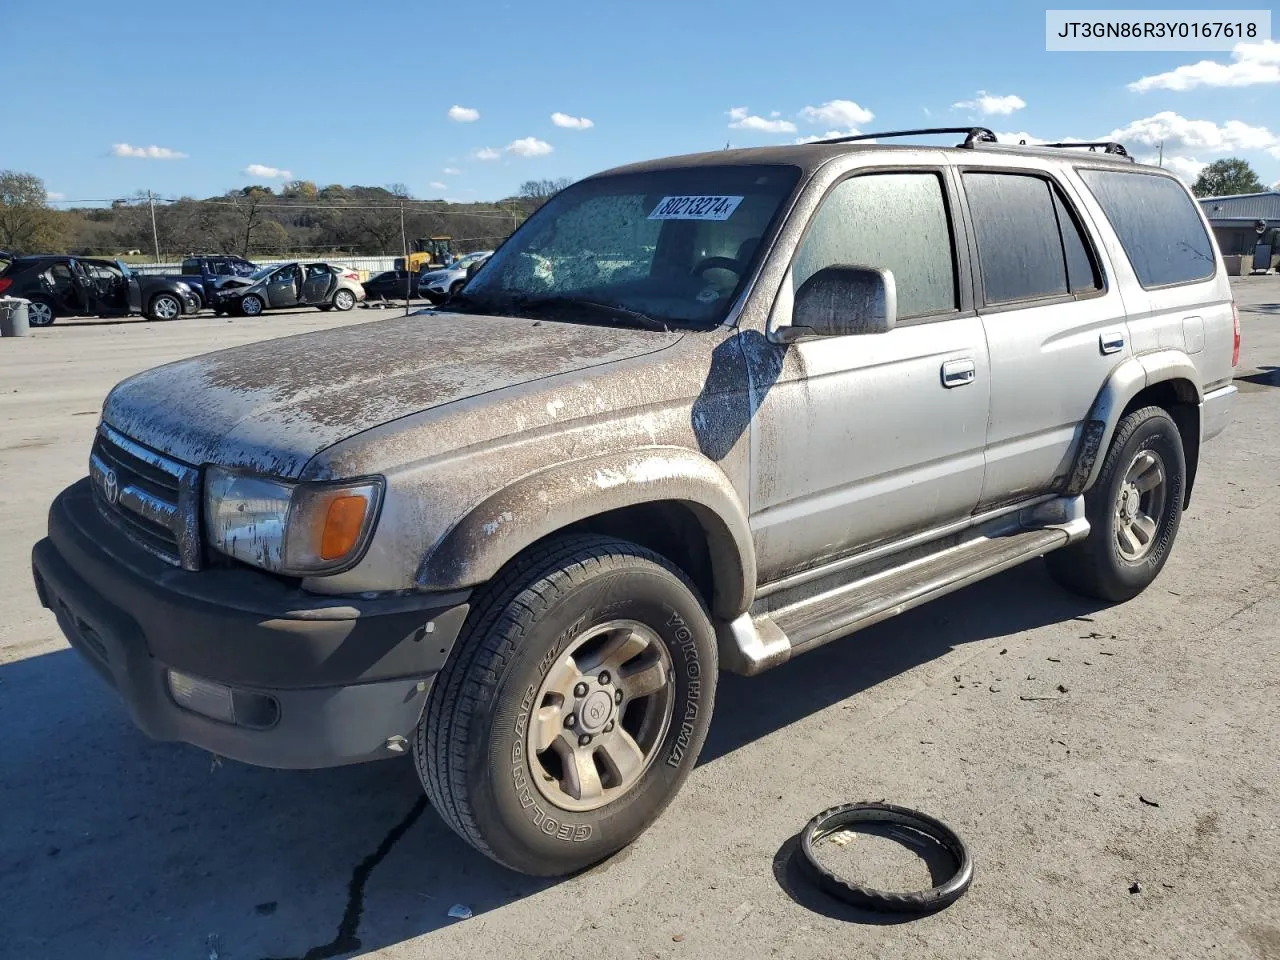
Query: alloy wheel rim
x=166, y=308
x=344, y=299
x=1139, y=505
x=600, y=715
x=251, y=306
x=39, y=314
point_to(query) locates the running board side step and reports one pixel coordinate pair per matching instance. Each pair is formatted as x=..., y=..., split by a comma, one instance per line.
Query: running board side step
x=752, y=644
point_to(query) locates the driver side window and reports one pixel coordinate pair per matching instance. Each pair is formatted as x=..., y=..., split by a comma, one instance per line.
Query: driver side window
x=897, y=221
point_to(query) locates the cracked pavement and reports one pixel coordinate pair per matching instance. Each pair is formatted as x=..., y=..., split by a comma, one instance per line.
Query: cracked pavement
x=1064, y=713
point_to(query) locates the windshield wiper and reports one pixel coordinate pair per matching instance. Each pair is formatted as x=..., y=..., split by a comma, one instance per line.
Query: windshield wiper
x=616, y=310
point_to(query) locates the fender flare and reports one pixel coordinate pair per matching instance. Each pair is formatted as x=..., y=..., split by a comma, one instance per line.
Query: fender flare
x=1127, y=380
x=514, y=517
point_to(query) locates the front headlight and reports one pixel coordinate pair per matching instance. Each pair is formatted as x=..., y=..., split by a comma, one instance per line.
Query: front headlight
x=298, y=529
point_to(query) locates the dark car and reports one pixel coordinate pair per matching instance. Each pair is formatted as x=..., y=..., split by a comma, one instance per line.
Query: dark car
x=62, y=286
x=391, y=285
x=326, y=286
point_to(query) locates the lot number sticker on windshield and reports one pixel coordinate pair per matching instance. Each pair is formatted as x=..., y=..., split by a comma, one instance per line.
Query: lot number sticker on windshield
x=695, y=208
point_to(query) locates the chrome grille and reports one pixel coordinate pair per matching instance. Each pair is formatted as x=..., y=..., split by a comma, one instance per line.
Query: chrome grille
x=151, y=498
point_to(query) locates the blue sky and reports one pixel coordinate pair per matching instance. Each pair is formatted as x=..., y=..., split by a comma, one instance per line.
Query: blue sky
x=362, y=93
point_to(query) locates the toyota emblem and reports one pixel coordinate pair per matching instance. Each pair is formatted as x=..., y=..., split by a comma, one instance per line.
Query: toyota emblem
x=110, y=486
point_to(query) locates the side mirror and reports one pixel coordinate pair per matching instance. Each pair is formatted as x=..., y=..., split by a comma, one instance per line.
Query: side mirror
x=841, y=301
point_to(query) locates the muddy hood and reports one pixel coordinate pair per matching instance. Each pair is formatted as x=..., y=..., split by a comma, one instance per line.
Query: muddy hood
x=272, y=406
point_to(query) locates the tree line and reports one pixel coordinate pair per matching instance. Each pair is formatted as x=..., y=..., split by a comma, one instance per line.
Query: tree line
x=258, y=220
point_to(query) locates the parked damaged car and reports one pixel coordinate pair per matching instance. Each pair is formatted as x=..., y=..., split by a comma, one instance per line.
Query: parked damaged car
x=438, y=285
x=325, y=286
x=64, y=286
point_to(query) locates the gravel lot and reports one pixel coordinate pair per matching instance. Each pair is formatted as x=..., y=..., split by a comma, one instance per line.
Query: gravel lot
x=1030, y=720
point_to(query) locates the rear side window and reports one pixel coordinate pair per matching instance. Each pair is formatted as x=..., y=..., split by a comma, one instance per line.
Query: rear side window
x=897, y=221
x=1030, y=245
x=1158, y=226
x=191, y=267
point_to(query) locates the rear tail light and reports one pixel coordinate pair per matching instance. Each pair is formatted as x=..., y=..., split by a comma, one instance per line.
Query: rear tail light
x=1235, y=348
x=5, y=283
x=351, y=276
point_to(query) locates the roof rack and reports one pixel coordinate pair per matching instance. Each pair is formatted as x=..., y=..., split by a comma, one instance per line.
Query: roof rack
x=972, y=135
x=1108, y=146
x=981, y=137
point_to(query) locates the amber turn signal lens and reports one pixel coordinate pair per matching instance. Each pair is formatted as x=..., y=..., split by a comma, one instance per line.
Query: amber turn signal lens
x=342, y=525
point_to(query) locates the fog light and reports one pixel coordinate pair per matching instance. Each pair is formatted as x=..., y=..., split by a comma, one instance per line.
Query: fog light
x=244, y=708
x=202, y=696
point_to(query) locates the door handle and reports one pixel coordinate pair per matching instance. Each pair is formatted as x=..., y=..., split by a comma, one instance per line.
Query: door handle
x=1111, y=342
x=956, y=373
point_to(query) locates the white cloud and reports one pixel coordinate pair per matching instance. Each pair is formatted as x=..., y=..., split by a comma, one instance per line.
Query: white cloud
x=990, y=105
x=54, y=195
x=1252, y=63
x=741, y=119
x=1182, y=136
x=437, y=185
x=146, y=153
x=463, y=114
x=529, y=147
x=486, y=153
x=571, y=123
x=1021, y=136
x=452, y=172
x=269, y=173
x=831, y=135
x=1188, y=168
x=837, y=113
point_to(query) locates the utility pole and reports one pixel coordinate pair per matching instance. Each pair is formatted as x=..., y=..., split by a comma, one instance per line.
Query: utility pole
x=155, y=237
x=408, y=274
x=1162, y=153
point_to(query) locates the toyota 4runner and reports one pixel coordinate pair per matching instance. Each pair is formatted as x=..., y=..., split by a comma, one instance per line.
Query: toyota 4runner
x=702, y=413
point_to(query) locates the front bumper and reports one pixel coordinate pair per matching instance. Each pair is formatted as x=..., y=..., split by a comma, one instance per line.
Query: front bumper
x=346, y=674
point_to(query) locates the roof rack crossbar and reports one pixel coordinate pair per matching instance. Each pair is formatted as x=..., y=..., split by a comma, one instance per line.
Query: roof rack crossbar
x=1108, y=146
x=972, y=135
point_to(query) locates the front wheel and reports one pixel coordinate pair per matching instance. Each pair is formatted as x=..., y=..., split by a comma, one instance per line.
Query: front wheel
x=252, y=305
x=573, y=706
x=165, y=306
x=456, y=287
x=344, y=300
x=1134, y=511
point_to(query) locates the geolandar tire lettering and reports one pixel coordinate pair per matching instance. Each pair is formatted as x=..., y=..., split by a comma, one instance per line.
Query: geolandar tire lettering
x=574, y=706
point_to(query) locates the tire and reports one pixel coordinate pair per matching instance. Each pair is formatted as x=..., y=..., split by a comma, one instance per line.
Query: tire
x=475, y=744
x=1106, y=565
x=456, y=286
x=199, y=302
x=252, y=305
x=165, y=306
x=343, y=300
x=41, y=312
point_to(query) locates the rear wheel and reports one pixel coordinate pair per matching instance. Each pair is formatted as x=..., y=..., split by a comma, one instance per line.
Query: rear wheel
x=1134, y=511
x=573, y=706
x=164, y=306
x=344, y=300
x=252, y=305
x=40, y=313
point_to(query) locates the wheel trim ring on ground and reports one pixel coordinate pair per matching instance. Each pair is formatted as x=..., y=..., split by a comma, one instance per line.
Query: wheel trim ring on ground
x=833, y=819
x=166, y=308
x=1139, y=506
x=39, y=314
x=649, y=667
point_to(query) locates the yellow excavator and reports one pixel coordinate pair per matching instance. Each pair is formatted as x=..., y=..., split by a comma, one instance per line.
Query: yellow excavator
x=428, y=252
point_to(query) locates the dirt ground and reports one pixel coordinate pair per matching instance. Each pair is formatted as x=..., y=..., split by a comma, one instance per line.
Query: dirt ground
x=1079, y=749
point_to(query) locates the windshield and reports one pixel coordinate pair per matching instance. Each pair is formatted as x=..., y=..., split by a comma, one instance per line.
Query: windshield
x=261, y=272
x=676, y=245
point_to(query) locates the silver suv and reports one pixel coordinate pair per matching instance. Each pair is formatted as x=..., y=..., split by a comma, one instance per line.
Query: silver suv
x=702, y=413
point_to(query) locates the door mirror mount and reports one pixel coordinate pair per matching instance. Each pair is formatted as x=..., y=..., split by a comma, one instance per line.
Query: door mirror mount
x=842, y=300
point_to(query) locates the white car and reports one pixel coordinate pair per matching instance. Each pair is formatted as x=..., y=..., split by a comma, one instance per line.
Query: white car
x=437, y=285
